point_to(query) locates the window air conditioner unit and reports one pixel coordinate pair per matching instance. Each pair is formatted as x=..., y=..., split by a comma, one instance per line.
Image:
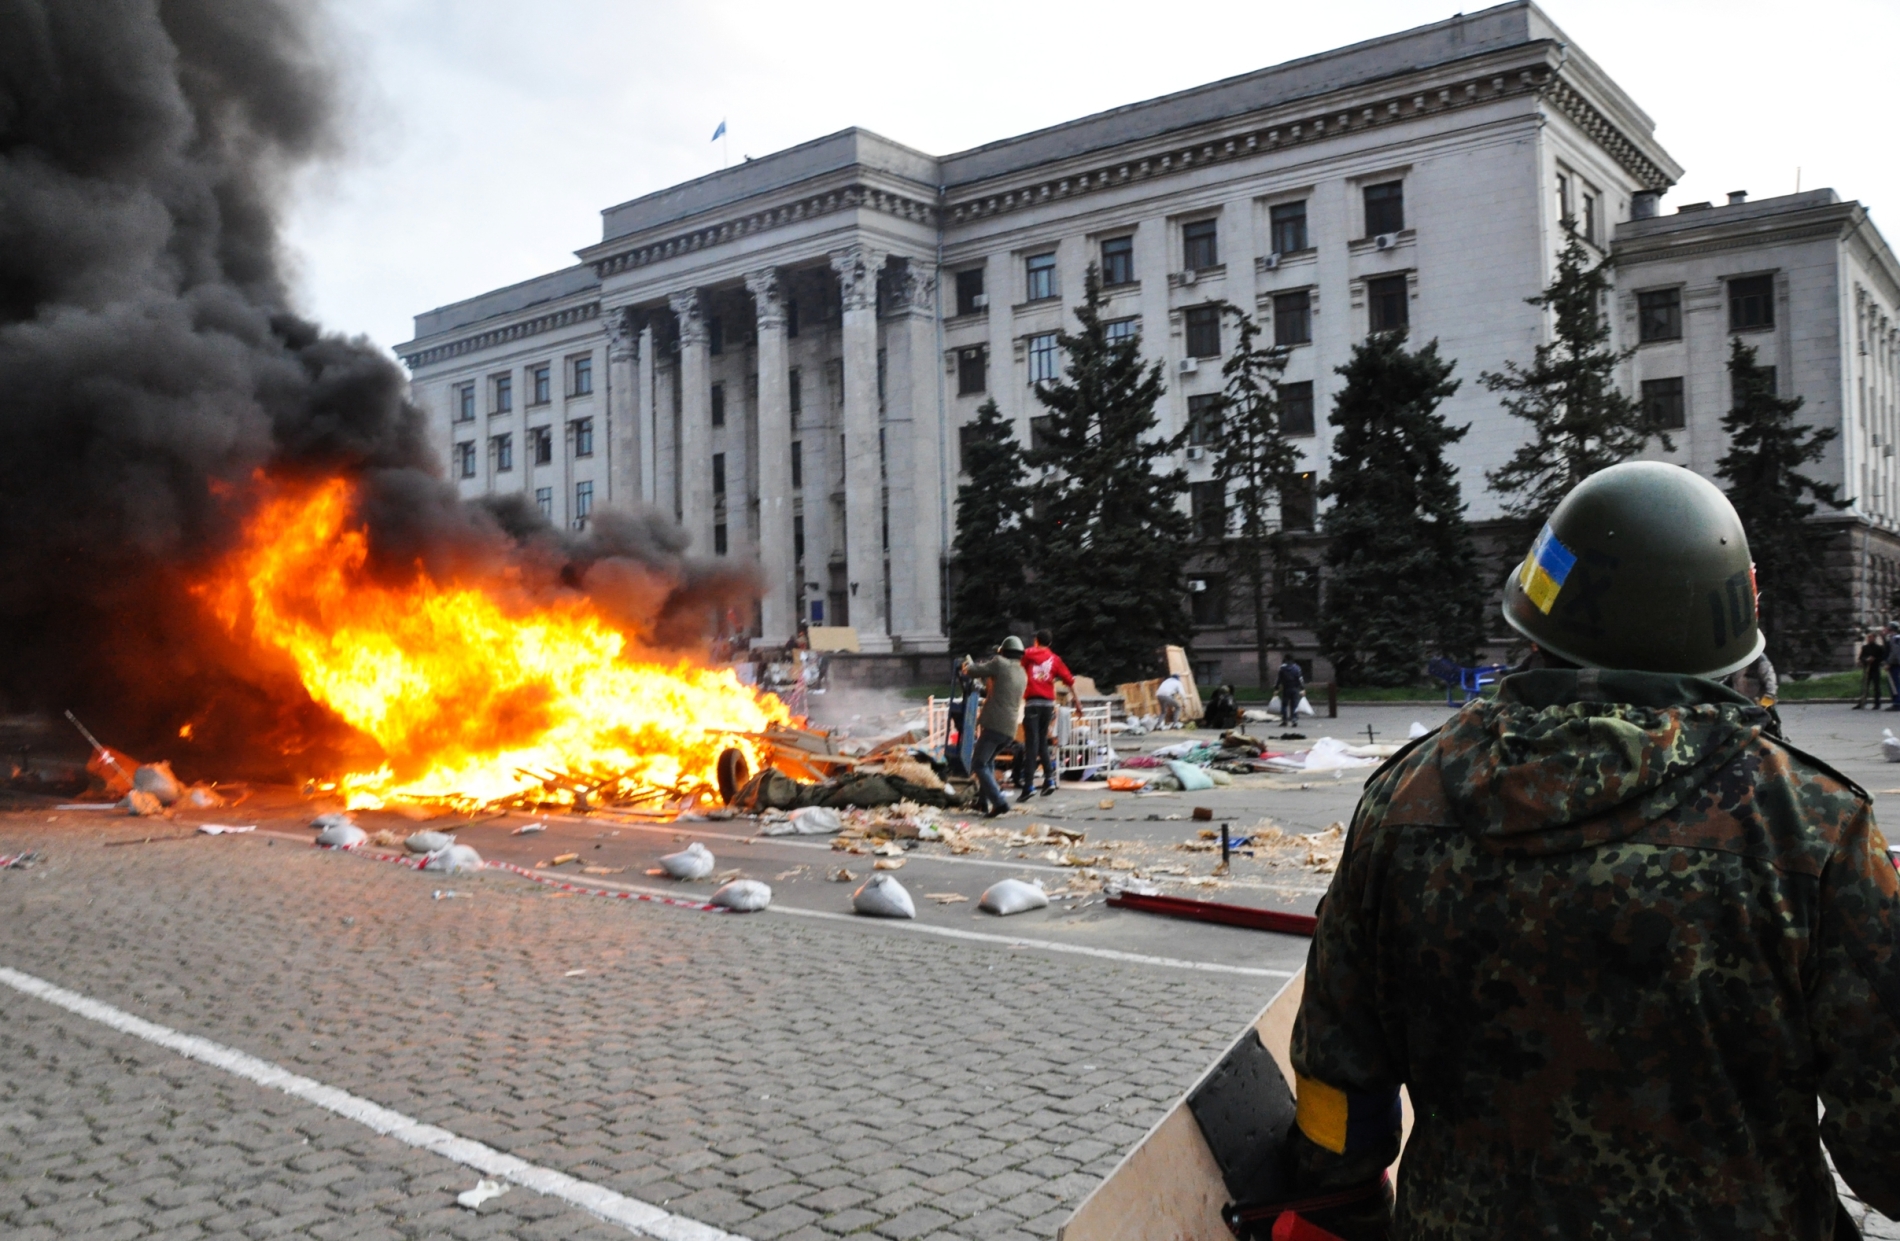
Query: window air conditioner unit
x=1197, y=585
x=1384, y=241
x=1190, y=365
x=1189, y=276
x=1273, y=260
x=981, y=301
x=1196, y=452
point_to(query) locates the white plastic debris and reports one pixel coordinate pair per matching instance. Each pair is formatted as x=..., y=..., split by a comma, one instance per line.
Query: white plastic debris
x=806, y=821
x=158, y=780
x=1890, y=746
x=1417, y=730
x=428, y=842
x=1253, y=716
x=338, y=831
x=1332, y=754
x=1305, y=707
x=1012, y=896
x=225, y=829
x=483, y=1191
x=528, y=829
x=454, y=859
x=695, y=861
x=881, y=896
x=746, y=896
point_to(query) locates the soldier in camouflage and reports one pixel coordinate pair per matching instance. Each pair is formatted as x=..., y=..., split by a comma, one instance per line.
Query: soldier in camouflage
x=1633, y=956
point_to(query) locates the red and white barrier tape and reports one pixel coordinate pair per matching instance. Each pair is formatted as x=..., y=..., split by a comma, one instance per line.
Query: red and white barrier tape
x=416, y=863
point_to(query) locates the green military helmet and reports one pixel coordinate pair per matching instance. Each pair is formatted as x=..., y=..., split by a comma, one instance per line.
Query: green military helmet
x=1644, y=567
x=1012, y=645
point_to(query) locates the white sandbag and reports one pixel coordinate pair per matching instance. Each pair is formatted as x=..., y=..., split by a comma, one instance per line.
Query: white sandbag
x=339, y=832
x=139, y=802
x=428, y=842
x=1193, y=779
x=744, y=896
x=1012, y=896
x=1417, y=730
x=1890, y=746
x=1305, y=707
x=881, y=896
x=454, y=859
x=809, y=821
x=201, y=797
x=1257, y=717
x=695, y=861
x=158, y=780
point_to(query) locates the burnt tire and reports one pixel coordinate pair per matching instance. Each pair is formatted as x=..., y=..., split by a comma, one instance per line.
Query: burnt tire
x=733, y=773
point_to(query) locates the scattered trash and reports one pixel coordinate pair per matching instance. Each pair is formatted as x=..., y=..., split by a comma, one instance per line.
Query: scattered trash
x=946, y=898
x=559, y=859
x=888, y=863
x=528, y=829
x=1193, y=778
x=454, y=860
x=603, y=870
x=573, y=973
x=1107, y=803
x=112, y=767
x=450, y=894
x=695, y=861
x=201, y=797
x=17, y=861
x=224, y=829
x=158, y=780
x=881, y=896
x=338, y=831
x=1123, y=783
x=142, y=803
x=1890, y=746
x=1203, y=814
x=841, y=875
x=1417, y=730
x=1012, y=896
x=483, y=1191
x=744, y=896
x=87, y=805
x=428, y=842
x=807, y=821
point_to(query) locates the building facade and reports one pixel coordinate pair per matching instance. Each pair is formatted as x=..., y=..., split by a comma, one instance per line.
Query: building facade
x=782, y=354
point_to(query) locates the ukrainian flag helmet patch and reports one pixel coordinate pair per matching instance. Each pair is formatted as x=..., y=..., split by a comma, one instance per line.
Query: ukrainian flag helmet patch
x=1545, y=570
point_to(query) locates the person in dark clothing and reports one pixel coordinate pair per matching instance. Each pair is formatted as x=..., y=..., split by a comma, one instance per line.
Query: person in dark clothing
x=1292, y=687
x=1043, y=668
x=1893, y=665
x=996, y=722
x=1873, y=658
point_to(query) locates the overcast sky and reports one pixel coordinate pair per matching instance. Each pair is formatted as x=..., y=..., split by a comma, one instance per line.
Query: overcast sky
x=485, y=136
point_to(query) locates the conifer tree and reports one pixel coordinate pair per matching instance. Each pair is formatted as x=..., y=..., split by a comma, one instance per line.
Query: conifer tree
x=988, y=554
x=1402, y=585
x=1762, y=472
x=1580, y=421
x=1255, y=462
x=1109, y=531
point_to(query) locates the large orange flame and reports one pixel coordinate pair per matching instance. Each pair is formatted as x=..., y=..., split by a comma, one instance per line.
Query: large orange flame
x=472, y=695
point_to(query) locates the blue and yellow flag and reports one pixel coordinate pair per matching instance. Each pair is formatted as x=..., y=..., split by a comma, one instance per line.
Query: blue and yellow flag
x=1545, y=569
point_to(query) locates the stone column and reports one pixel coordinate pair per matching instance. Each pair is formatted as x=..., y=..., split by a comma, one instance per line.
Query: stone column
x=695, y=432
x=913, y=429
x=646, y=410
x=857, y=267
x=623, y=407
x=778, y=606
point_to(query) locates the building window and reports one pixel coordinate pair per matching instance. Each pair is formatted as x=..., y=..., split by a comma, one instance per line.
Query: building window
x=1042, y=358
x=1296, y=594
x=798, y=464
x=504, y=394
x=1662, y=404
x=1386, y=304
x=1040, y=435
x=541, y=445
x=1288, y=227
x=798, y=538
x=970, y=297
x=966, y=435
x=539, y=384
x=1207, y=601
x=1296, y=408
x=1122, y=331
x=1751, y=303
x=504, y=453
x=1039, y=272
x=1293, y=318
x=465, y=403
x=1297, y=503
x=1209, y=503
x=1659, y=315
x=1203, y=331
x=1736, y=392
x=1566, y=209
x=719, y=405
x=465, y=458
x=791, y=316
x=972, y=370
x=583, y=502
x=1590, y=219
x=581, y=372
x=1385, y=207
x=1118, y=261
x=583, y=437
x=1200, y=245
x=834, y=380
x=719, y=473
x=544, y=500
x=715, y=335
x=719, y=539
x=1203, y=419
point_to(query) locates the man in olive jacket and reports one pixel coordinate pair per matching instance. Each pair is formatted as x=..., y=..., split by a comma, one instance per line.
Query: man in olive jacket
x=997, y=722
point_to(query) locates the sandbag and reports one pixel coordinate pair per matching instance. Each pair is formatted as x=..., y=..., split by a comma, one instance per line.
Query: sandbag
x=1305, y=707
x=139, y=802
x=1419, y=730
x=201, y=797
x=881, y=896
x=1012, y=896
x=743, y=896
x=815, y=821
x=1193, y=779
x=453, y=859
x=339, y=831
x=428, y=842
x=695, y=861
x=158, y=780
x=1890, y=746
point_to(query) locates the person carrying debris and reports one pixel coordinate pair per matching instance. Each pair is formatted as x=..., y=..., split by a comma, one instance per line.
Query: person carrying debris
x=1043, y=668
x=1613, y=934
x=1171, y=698
x=996, y=722
x=1291, y=686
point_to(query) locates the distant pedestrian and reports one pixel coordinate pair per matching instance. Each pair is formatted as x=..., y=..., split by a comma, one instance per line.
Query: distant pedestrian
x=1873, y=661
x=1893, y=665
x=1044, y=668
x=996, y=722
x=1292, y=687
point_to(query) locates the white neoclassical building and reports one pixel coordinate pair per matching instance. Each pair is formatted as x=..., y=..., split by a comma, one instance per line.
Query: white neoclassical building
x=782, y=354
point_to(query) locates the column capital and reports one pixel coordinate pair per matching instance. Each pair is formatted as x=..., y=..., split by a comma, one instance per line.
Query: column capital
x=917, y=287
x=687, y=306
x=858, y=266
x=623, y=336
x=763, y=285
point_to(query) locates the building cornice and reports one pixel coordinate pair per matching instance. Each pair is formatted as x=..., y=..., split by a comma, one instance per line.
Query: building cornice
x=1570, y=101
x=499, y=335
x=1828, y=222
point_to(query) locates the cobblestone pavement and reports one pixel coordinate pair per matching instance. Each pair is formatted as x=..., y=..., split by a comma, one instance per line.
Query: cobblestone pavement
x=770, y=1075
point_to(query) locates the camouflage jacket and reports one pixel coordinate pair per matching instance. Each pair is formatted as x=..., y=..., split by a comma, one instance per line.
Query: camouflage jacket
x=1616, y=942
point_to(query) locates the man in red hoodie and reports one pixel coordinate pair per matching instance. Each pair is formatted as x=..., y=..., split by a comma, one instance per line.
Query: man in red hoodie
x=1045, y=668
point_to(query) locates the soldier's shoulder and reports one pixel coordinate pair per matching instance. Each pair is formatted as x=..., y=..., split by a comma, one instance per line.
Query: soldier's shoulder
x=1777, y=757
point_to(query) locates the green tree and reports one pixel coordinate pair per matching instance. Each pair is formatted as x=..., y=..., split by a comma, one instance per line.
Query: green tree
x=1254, y=463
x=1112, y=537
x=1581, y=421
x=1801, y=617
x=989, y=551
x=1403, y=584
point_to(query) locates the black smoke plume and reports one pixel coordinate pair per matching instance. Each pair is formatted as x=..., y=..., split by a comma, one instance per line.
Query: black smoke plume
x=150, y=366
